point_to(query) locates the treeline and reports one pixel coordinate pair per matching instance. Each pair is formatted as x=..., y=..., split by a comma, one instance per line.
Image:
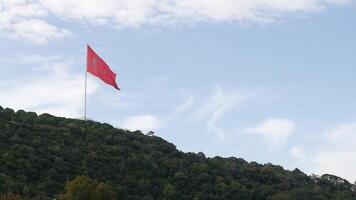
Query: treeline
x=39, y=154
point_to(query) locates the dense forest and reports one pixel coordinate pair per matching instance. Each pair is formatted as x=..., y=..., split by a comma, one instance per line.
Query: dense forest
x=43, y=156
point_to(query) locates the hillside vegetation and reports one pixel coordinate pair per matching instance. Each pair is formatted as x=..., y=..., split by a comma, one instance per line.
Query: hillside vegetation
x=40, y=154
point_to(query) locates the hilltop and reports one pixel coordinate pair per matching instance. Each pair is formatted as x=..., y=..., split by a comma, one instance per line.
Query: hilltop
x=40, y=153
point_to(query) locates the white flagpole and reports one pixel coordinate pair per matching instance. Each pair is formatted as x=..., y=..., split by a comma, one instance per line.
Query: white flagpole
x=85, y=93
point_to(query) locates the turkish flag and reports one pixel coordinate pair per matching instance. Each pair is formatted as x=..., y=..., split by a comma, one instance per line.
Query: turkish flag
x=98, y=67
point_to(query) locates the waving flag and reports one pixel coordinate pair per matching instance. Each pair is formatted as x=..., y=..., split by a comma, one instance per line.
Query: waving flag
x=97, y=67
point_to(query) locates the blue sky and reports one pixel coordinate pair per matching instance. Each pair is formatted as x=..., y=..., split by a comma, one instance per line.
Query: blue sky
x=264, y=80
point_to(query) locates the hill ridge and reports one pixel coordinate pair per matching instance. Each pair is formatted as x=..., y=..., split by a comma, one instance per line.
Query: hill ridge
x=39, y=153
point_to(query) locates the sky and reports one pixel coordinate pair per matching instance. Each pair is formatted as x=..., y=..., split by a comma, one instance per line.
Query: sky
x=271, y=81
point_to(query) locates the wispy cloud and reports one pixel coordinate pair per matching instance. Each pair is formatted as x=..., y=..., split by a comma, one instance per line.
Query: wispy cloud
x=29, y=19
x=56, y=90
x=151, y=122
x=340, y=2
x=26, y=20
x=298, y=152
x=276, y=131
x=184, y=106
x=216, y=106
x=141, y=122
x=137, y=13
x=337, y=154
x=208, y=110
x=35, y=30
x=333, y=152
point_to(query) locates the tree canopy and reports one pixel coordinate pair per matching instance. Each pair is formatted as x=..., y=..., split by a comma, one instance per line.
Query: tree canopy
x=44, y=157
x=84, y=188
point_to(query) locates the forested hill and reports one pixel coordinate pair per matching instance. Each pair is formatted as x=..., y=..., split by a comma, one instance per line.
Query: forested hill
x=39, y=154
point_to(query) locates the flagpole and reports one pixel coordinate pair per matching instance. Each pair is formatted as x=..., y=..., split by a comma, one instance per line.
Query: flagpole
x=85, y=91
x=85, y=101
x=85, y=96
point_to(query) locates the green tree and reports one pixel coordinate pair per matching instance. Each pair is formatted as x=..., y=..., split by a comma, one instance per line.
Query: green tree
x=10, y=196
x=169, y=192
x=84, y=188
x=39, y=153
x=105, y=192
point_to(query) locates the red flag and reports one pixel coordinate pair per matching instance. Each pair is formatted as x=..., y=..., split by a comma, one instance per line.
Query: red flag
x=98, y=67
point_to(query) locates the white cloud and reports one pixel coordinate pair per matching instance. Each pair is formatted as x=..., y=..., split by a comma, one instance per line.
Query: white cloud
x=150, y=122
x=298, y=152
x=50, y=64
x=209, y=110
x=337, y=153
x=333, y=152
x=216, y=106
x=57, y=91
x=185, y=106
x=340, y=2
x=25, y=20
x=35, y=30
x=150, y=12
x=29, y=19
x=118, y=12
x=141, y=122
x=276, y=131
x=341, y=163
x=340, y=136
